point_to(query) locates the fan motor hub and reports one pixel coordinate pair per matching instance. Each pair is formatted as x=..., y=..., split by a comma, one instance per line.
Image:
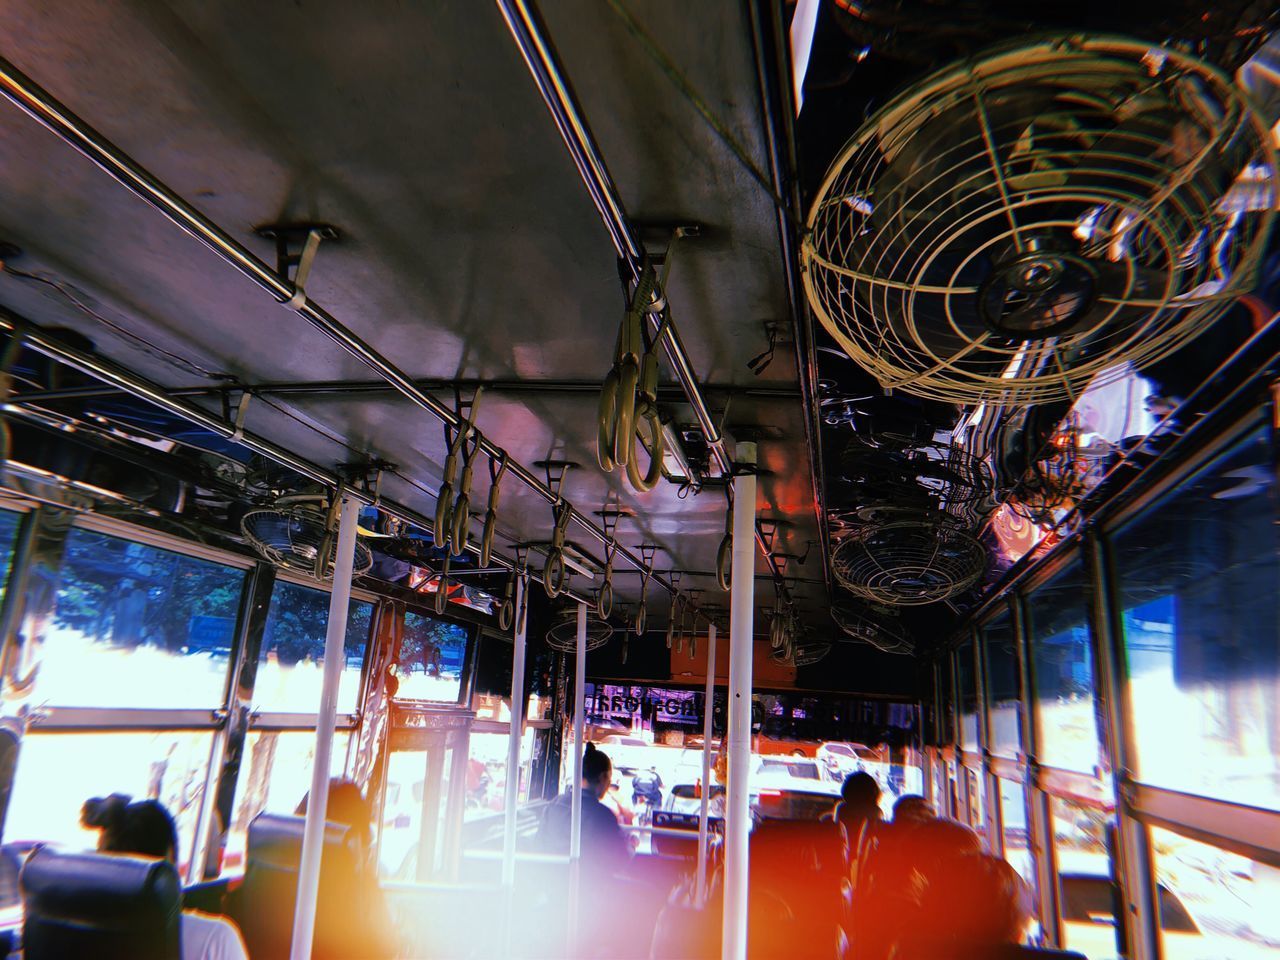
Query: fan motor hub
x=1038, y=295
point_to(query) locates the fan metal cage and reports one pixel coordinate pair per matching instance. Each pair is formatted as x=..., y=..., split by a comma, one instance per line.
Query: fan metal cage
x=802, y=653
x=293, y=538
x=1016, y=226
x=947, y=474
x=884, y=631
x=563, y=633
x=908, y=562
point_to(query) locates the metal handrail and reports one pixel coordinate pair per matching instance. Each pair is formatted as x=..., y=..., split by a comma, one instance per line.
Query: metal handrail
x=530, y=34
x=59, y=120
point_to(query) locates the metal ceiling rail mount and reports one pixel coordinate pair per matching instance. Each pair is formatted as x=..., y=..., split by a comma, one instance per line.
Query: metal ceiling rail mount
x=128, y=382
x=59, y=120
x=531, y=36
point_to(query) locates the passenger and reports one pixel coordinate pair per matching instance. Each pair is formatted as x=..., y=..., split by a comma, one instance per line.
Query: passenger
x=720, y=777
x=605, y=857
x=361, y=894
x=913, y=808
x=647, y=785
x=971, y=906
x=618, y=806
x=145, y=829
x=604, y=848
x=914, y=881
x=859, y=804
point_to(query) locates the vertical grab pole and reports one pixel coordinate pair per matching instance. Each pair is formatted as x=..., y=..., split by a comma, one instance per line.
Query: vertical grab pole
x=708, y=702
x=741, y=629
x=304, y=916
x=512, y=798
x=575, y=809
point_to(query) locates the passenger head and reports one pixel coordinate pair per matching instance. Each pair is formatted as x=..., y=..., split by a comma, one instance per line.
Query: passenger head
x=975, y=901
x=347, y=806
x=912, y=808
x=721, y=766
x=861, y=793
x=948, y=838
x=597, y=771
x=143, y=829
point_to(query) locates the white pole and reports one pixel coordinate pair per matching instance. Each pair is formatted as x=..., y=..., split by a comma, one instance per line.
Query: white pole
x=512, y=798
x=579, y=725
x=741, y=629
x=708, y=702
x=304, y=916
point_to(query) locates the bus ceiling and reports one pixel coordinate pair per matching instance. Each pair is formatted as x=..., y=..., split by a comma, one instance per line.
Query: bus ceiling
x=521, y=286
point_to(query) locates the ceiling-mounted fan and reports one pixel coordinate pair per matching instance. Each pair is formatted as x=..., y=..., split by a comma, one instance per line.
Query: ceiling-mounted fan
x=1017, y=225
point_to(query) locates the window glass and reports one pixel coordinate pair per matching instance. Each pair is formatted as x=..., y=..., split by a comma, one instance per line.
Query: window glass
x=946, y=710
x=138, y=626
x=977, y=801
x=1005, y=709
x=968, y=693
x=1060, y=643
x=941, y=789
x=291, y=665
x=432, y=656
x=10, y=522
x=1198, y=574
x=483, y=798
x=1013, y=817
x=487, y=773
x=275, y=775
x=1084, y=877
x=58, y=772
x=1214, y=903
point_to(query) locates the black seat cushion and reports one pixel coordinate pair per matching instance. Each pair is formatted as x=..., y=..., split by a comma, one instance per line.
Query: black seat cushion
x=100, y=905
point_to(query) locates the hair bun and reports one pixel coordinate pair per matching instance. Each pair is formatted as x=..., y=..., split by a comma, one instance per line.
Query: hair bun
x=591, y=747
x=104, y=812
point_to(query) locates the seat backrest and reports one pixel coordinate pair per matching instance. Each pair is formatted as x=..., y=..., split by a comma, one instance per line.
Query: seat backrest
x=264, y=904
x=100, y=905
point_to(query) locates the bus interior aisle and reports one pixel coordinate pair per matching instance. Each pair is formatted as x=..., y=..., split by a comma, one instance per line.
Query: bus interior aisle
x=639, y=479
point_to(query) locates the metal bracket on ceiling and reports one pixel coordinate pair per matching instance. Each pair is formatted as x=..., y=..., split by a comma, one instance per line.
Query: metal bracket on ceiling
x=554, y=471
x=366, y=475
x=609, y=516
x=781, y=561
x=768, y=527
x=296, y=246
x=654, y=233
x=241, y=412
x=647, y=552
x=520, y=561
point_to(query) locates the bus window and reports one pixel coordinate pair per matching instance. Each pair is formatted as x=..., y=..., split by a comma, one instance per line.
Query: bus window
x=1005, y=710
x=1068, y=727
x=136, y=626
x=432, y=657
x=483, y=796
x=1084, y=877
x=1013, y=821
x=968, y=694
x=58, y=772
x=10, y=521
x=291, y=664
x=1214, y=903
x=275, y=775
x=977, y=785
x=1198, y=576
